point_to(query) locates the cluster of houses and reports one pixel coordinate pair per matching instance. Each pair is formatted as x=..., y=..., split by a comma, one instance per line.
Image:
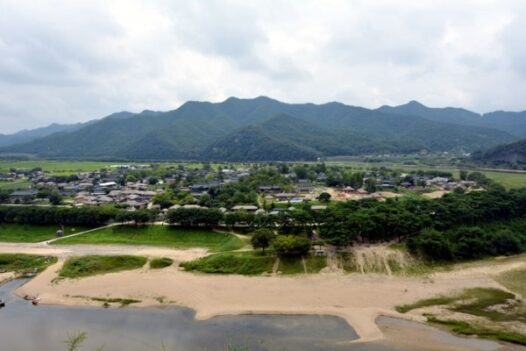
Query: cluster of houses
x=109, y=187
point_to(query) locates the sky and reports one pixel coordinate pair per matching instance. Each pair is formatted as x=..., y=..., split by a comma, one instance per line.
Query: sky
x=72, y=61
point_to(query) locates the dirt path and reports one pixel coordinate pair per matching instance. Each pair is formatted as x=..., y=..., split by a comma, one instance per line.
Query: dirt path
x=81, y=233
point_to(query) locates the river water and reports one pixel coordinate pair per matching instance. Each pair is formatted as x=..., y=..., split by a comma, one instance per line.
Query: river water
x=24, y=327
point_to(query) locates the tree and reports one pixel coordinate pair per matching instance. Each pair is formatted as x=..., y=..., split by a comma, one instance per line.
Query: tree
x=370, y=185
x=290, y=245
x=153, y=181
x=324, y=197
x=55, y=198
x=262, y=238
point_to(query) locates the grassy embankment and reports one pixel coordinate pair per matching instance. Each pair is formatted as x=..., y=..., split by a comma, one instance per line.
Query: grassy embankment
x=29, y=233
x=159, y=235
x=491, y=313
x=23, y=264
x=254, y=263
x=85, y=266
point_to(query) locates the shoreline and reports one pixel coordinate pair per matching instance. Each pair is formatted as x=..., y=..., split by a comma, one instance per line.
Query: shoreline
x=357, y=299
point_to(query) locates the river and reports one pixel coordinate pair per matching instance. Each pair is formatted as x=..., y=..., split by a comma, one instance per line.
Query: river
x=24, y=327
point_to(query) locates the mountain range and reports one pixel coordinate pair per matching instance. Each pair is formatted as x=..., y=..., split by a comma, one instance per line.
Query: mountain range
x=267, y=129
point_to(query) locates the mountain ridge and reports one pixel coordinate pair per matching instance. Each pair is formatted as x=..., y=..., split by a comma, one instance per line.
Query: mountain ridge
x=197, y=128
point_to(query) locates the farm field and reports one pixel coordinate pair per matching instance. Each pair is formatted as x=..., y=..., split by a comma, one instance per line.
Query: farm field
x=158, y=235
x=28, y=233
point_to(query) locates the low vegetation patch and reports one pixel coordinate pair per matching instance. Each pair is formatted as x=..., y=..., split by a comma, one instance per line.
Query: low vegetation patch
x=245, y=263
x=436, y=301
x=116, y=300
x=158, y=235
x=85, y=266
x=23, y=264
x=291, y=265
x=28, y=233
x=158, y=263
x=467, y=328
x=315, y=263
x=491, y=306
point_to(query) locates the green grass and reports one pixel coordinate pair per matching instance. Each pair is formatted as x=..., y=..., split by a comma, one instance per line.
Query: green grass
x=515, y=281
x=17, y=184
x=120, y=301
x=481, y=299
x=158, y=263
x=55, y=167
x=21, y=263
x=245, y=263
x=158, y=235
x=28, y=233
x=315, y=263
x=436, y=301
x=85, y=266
x=466, y=328
x=291, y=265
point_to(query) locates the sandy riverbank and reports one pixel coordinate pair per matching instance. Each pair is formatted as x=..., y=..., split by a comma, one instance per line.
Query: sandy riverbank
x=359, y=299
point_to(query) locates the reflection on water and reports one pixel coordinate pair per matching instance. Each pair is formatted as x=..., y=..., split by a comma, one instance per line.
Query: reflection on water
x=24, y=327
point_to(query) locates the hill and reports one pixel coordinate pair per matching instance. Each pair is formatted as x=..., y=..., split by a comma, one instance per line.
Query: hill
x=204, y=130
x=509, y=122
x=509, y=155
x=27, y=135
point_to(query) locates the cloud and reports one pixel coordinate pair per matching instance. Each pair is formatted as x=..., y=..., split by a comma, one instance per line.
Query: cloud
x=73, y=61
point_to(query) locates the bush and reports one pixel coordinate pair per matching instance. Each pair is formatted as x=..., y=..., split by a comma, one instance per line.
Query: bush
x=230, y=263
x=290, y=245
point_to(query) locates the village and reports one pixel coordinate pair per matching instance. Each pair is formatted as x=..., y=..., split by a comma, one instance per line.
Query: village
x=265, y=188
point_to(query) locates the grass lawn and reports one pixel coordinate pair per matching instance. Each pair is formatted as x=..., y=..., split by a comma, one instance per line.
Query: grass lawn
x=158, y=235
x=21, y=263
x=85, y=266
x=29, y=233
x=245, y=263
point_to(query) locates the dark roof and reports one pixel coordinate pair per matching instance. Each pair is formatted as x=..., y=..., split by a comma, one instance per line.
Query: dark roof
x=30, y=192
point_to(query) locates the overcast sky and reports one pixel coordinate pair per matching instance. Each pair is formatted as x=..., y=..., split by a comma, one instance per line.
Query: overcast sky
x=69, y=61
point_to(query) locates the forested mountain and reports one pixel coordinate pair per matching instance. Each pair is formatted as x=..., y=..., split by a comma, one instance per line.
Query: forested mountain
x=510, y=122
x=32, y=134
x=257, y=129
x=509, y=155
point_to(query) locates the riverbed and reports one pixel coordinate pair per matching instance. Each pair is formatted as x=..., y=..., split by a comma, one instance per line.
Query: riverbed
x=24, y=327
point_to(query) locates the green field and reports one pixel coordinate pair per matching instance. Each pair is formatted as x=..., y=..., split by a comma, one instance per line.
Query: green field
x=18, y=184
x=158, y=235
x=55, y=167
x=85, y=266
x=28, y=233
x=21, y=263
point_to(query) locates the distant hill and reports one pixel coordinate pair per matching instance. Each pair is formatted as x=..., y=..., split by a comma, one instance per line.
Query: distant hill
x=257, y=129
x=509, y=122
x=509, y=155
x=27, y=135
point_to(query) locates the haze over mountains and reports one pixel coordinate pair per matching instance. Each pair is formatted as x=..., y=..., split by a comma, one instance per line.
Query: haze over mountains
x=266, y=129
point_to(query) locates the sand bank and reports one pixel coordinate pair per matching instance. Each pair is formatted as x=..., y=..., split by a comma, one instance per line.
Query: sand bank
x=359, y=299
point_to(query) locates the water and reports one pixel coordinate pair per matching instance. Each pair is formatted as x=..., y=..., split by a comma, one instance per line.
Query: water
x=24, y=327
